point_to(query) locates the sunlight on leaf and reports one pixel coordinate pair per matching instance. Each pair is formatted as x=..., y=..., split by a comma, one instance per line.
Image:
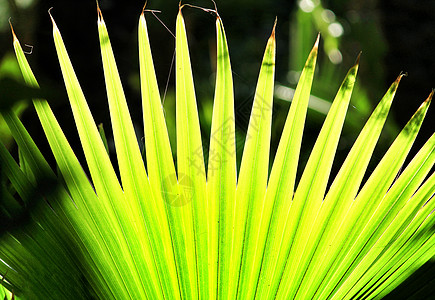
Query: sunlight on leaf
x=188, y=229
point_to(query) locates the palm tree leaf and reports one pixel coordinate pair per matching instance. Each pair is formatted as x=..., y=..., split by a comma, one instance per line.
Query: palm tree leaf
x=310, y=191
x=6, y=294
x=116, y=208
x=34, y=243
x=184, y=233
x=161, y=169
x=387, y=223
x=252, y=180
x=281, y=183
x=86, y=204
x=415, y=245
x=190, y=166
x=367, y=200
x=344, y=189
x=222, y=172
x=46, y=213
x=132, y=170
x=402, y=257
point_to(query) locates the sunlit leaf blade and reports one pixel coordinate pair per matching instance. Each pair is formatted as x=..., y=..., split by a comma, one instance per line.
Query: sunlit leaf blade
x=410, y=250
x=384, y=223
x=6, y=294
x=206, y=234
x=343, y=190
x=221, y=174
x=384, y=268
x=82, y=192
x=104, y=178
x=395, y=266
x=281, y=183
x=190, y=165
x=390, y=218
x=133, y=176
x=420, y=256
x=252, y=180
x=311, y=188
x=161, y=169
x=366, y=202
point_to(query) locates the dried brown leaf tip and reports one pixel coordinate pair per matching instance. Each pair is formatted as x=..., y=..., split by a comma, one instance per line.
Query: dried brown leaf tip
x=358, y=59
x=272, y=36
x=100, y=14
x=51, y=17
x=429, y=98
x=401, y=75
x=52, y=20
x=12, y=30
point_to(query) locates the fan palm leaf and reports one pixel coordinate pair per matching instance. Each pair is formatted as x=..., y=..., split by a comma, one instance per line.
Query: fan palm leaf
x=182, y=230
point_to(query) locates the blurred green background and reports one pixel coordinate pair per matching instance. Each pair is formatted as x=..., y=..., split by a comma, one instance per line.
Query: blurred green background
x=393, y=35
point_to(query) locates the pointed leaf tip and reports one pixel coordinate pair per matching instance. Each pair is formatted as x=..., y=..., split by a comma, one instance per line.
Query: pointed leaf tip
x=358, y=59
x=274, y=28
x=49, y=13
x=52, y=19
x=429, y=98
x=428, y=101
x=12, y=29
x=401, y=75
x=144, y=6
x=316, y=44
x=100, y=14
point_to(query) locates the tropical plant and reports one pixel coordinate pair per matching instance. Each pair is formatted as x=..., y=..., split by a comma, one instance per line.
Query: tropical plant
x=167, y=233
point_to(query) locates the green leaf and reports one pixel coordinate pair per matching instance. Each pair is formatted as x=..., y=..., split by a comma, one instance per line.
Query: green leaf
x=281, y=183
x=396, y=253
x=162, y=176
x=252, y=180
x=187, y=232
x=85, y=213
x=191, y=217
x=221, y=174
x=310, y=191
x=384, y=224
x=342, y=191
x=133, y=176
x=117, y=208
x=55, y=236
x=366, y=202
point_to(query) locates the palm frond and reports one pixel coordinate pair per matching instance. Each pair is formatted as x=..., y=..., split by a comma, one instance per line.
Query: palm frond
x=183, y=231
